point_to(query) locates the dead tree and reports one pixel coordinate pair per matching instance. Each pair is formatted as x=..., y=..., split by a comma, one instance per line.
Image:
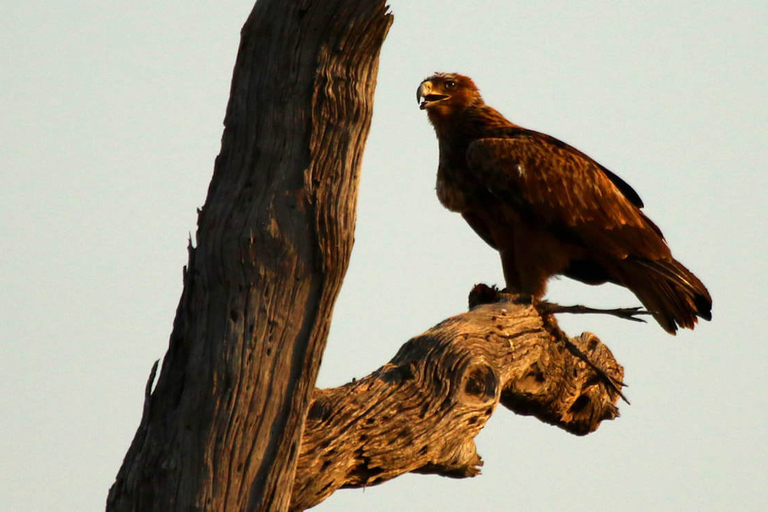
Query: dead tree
x=222, y=429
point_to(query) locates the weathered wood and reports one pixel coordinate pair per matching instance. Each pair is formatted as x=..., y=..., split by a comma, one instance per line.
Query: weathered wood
x=221, y=429
x=421, y=411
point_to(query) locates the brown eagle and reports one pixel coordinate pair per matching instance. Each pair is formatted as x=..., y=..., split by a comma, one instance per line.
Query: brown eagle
x=550, y=209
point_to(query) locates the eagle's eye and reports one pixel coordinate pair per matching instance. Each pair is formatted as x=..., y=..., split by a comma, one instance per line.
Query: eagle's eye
x=450, y=84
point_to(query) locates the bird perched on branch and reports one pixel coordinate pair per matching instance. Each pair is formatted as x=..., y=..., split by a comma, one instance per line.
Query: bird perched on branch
x=549, y=209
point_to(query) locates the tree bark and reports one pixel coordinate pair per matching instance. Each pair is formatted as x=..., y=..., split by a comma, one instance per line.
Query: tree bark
x=222, y=428
x=421, y=411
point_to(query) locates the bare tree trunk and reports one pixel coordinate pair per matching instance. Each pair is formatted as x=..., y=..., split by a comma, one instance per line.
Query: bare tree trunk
x=221, y=430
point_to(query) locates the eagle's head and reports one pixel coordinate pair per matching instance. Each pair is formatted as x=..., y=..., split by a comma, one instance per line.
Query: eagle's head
x=443, y=94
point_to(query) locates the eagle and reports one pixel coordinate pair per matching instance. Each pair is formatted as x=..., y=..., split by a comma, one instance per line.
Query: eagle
x=549, y=209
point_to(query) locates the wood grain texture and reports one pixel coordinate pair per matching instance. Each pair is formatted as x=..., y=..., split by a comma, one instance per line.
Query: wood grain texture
x=421, y=411
x=221, y=429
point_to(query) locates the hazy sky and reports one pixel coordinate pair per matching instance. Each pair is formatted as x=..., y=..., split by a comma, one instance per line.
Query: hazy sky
x=111, y=122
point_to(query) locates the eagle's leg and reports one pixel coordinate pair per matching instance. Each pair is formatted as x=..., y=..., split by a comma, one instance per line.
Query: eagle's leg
x=524, y=282
x=522, y=298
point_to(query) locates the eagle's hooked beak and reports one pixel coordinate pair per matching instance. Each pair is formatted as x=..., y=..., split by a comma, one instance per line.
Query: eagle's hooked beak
x=426, y=97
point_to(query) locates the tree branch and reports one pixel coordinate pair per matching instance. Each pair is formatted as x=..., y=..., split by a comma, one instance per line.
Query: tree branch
x=421, y=411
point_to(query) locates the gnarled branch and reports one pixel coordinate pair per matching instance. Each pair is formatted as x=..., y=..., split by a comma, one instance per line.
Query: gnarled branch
x=421, y=411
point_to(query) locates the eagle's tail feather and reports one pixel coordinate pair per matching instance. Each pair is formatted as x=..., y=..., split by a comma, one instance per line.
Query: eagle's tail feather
x=670, y=292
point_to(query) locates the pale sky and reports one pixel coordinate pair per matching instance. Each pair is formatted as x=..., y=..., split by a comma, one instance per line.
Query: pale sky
x=112, y=117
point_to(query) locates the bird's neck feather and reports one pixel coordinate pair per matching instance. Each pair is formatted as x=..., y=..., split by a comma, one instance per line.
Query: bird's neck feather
x=470, y=123
x=457, y=129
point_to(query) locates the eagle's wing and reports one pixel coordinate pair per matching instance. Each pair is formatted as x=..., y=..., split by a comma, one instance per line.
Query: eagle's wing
x=556, y=187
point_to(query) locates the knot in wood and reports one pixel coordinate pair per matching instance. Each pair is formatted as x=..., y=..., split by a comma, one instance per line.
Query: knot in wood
x=479, y=385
